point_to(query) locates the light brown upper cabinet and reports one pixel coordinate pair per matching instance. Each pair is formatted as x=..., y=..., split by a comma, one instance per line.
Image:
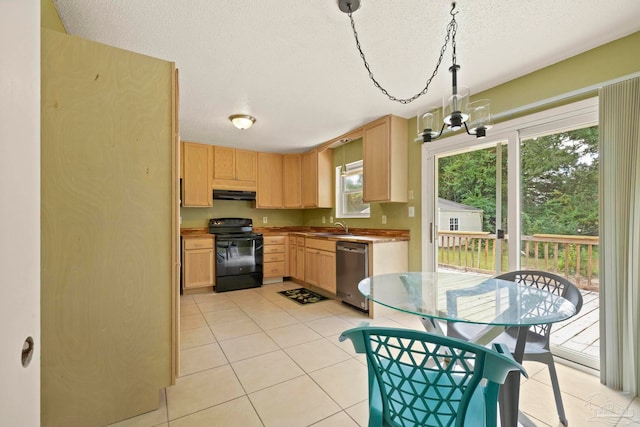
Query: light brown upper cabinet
x=197, y=170
x=234, y=169
x=292, y=185
x=316, y=179
x=384, y=151
x=269, y=192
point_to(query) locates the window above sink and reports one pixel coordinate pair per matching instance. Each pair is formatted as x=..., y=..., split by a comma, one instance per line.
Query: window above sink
x=349, y=203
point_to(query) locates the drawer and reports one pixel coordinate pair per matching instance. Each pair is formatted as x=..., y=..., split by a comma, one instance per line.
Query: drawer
x=273, y=257
x=274, y=240
x=273, y=249
x=321, y=244
x=300, y=241
x=273, y=269
x=198, y=243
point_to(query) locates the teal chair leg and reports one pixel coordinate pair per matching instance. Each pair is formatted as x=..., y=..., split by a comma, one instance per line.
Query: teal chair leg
x=375, y=402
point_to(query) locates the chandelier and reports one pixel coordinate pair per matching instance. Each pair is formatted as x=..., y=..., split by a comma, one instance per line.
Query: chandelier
x=456, y=109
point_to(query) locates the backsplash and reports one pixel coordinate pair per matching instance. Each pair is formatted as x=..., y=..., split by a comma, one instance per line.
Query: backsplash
x=199, y=217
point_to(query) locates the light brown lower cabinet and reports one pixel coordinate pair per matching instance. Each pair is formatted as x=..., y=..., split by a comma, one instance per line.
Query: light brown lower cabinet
x=274, y=256
x=320, y=264
x=299, y=272
x=198, y=262
x=293, y=256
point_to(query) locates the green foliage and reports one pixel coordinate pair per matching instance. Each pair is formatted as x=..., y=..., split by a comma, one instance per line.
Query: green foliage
x=559, y=183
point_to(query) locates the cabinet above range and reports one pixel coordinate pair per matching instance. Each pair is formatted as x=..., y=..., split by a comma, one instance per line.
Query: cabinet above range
x=234, y=169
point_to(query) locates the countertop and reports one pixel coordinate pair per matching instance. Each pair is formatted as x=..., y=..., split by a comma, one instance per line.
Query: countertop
x=356, y=235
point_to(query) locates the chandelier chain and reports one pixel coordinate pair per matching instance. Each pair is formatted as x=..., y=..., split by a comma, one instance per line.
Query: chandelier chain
x=452, y=28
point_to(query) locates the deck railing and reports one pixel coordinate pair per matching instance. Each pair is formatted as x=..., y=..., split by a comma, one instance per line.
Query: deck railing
x=574, y=257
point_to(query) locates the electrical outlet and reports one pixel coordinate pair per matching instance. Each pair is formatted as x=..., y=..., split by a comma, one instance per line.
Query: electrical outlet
x=410, y=194
x=180, y=220
x=384, y=219
x=324, y=220
x=265, y=219
x=412, y=212
x=331, y=219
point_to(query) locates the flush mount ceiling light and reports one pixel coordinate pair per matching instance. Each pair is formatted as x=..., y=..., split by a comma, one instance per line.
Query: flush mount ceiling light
x=456, y=108
x=242, y=121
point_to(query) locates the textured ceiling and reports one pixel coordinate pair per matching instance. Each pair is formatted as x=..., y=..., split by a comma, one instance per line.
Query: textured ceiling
x=293, y=64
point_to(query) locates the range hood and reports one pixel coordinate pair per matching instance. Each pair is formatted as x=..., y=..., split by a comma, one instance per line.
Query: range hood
x=234, y=195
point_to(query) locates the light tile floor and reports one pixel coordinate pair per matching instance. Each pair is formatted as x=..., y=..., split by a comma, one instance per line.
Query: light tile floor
x=255, y=358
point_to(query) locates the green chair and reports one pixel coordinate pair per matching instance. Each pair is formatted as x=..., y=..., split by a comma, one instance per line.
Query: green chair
x=421, y=379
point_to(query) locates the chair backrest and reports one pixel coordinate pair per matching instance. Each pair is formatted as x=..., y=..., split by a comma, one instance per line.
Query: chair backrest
x=551, y=283
x=418, y=378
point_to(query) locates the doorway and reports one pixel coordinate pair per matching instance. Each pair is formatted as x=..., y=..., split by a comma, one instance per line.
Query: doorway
x=471, y=210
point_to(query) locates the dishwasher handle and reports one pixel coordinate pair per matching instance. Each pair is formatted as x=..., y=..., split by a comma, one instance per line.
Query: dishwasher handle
x=359, y=248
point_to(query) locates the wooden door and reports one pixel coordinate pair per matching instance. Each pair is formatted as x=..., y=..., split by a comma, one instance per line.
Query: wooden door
x=324, y=179
x=196, y=184
x=198, y=268
x=327, y=273
x=310, y=179
x=246, y=167
x=292, y=185
x=223, y=163
x=376, y=162
x=293, y=263
x=107, y=179
x=311, y=266
x=269, y=193
x=20, y=212
x=300, y=262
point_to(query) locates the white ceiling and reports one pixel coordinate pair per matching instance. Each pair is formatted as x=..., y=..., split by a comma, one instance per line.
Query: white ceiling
x=293, y=64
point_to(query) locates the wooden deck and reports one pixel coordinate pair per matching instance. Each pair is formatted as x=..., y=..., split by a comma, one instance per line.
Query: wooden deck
x=576, y=339
x=579, y=337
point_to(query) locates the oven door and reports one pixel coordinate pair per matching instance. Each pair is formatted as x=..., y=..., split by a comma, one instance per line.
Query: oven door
x=238, y=255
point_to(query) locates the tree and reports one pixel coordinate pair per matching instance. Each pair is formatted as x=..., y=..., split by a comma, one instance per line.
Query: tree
x=559, y=182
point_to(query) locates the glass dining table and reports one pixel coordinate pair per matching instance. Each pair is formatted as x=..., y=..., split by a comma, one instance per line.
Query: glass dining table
x=493, y=304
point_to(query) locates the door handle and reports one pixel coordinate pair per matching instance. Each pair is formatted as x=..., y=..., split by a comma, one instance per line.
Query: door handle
x=27, y=351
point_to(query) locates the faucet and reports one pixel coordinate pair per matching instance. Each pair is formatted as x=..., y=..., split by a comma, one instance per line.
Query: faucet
x=343, y=225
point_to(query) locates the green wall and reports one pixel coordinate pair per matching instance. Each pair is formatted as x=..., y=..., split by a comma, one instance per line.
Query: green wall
x=607, y=62
x=199, y=217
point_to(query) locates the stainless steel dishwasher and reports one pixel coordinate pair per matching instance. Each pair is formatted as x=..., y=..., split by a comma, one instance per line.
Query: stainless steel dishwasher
x=352, y=265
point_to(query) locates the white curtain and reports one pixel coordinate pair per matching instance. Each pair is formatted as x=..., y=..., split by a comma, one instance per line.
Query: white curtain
x=620, y=235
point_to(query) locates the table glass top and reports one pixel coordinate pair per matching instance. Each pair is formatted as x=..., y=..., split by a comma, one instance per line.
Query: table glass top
x=469, y=298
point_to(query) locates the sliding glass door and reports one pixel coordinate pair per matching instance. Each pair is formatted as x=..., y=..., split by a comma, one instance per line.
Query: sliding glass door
x=559, y=225
x=535, y=179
